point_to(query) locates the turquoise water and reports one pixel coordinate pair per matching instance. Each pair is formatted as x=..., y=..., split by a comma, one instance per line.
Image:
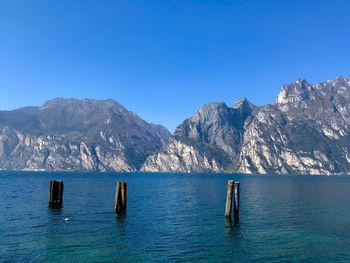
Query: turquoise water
x=174, y=218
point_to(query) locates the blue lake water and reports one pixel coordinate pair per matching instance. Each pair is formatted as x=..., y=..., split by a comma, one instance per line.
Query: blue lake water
x=174, y=218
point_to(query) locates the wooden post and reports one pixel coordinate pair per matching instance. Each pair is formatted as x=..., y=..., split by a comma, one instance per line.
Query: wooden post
x=236, y=202
x=230, y=185
x=56, y=194
x=120, y=198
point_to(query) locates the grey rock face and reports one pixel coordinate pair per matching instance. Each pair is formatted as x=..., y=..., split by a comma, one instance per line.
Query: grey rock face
x=306, y=131
x=178, y=156
x=70, y=134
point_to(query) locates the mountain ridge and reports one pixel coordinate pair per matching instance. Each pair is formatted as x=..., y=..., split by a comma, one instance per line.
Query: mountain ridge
x=306, y=131
x=72, y=134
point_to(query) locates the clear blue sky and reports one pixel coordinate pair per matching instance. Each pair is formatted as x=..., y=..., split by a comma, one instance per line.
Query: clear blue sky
x=164, y=59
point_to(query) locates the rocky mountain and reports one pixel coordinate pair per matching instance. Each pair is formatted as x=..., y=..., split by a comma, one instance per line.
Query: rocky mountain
x=306, y=131
x=71, y=134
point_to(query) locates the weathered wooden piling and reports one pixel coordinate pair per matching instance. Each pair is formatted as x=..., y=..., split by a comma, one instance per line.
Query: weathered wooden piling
x=228, y=211
x=120, y=198
x=56, y=194
x=236, y=202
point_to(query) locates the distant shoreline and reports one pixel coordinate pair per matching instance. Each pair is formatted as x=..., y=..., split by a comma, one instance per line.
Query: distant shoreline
x=170, y=173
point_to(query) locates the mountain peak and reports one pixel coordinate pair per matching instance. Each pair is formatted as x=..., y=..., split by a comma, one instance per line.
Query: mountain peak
x=301, y=82
x=294, y=92
x=212, y=107
x=341, y=79
x=59, y=101
x=243, y=102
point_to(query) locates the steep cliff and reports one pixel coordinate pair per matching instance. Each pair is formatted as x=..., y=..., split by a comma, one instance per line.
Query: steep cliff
x=306, y=131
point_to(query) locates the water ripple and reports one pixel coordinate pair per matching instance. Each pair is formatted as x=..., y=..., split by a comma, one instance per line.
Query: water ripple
x=174, y=218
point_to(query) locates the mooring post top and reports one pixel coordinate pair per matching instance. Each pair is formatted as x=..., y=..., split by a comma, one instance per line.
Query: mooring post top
x=230, y=181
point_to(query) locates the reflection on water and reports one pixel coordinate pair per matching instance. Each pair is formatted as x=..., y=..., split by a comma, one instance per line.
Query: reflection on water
x=174, y=217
